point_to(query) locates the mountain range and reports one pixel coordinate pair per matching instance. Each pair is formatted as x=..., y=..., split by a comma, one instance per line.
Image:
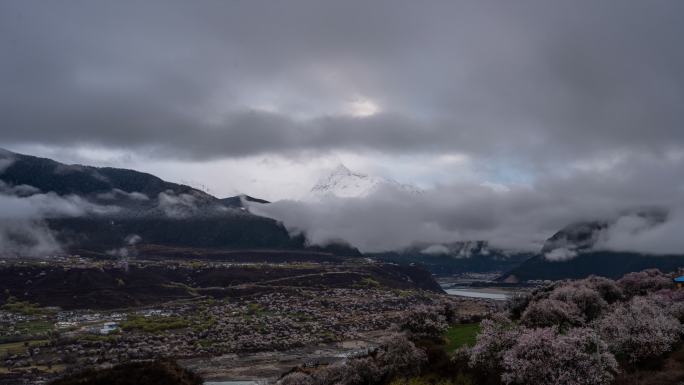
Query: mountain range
x=456, y=257
x=103, y=211
x=575, y=252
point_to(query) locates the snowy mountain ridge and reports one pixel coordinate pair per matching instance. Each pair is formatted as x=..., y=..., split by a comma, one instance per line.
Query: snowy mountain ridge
x=345, y=183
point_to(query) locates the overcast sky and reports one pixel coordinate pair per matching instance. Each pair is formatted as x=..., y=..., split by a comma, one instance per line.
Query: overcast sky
x=261, y=96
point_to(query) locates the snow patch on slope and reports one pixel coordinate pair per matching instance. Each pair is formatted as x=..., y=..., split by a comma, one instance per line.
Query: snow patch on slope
x=344, y=183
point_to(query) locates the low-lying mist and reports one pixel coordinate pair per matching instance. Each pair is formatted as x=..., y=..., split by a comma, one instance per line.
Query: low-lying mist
x=514, y=217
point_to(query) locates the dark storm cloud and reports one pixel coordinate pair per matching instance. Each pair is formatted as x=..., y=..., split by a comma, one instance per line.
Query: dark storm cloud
x=542, y=80
x=590, y=93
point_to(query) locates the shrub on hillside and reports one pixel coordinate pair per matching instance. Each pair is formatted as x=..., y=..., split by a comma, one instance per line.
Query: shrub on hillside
x=425, y=321
x=639, y=329
x=565, y=325
x=588, y=301
x=497, y=335
x=671, y=301
x=297, y=378
x=362, y=371
x=545, y=357
x=607, y=288
x=329, y=375
x=396, y=357
x=644, y=282
x=450, y=312
x=517, y=304
x=400, y=357
x=590, y=295
x=552, y=312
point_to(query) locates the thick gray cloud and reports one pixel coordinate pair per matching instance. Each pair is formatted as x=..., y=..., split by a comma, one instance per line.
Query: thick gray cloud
x=575, y=104
x=517, y=218
x=529, y=80
x=23, y=210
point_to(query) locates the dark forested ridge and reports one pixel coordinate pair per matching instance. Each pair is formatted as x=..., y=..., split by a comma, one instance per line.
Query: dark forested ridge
x=110, y=208
x=581, y=239
x=603, y=263
x=448, y=264
x=48, y=175
x=139, y=285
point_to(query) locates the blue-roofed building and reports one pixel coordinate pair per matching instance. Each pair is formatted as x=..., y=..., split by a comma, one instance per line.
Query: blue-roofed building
x=679, y=281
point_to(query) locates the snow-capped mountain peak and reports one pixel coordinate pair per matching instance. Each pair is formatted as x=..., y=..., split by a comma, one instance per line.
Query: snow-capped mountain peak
x=342, y=182
x=341, y=169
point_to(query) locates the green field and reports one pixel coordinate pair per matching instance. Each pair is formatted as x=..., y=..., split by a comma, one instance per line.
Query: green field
x=18, y=347
x=37, y=328
x=460, y=335
x=154, y=324
x=23, y=307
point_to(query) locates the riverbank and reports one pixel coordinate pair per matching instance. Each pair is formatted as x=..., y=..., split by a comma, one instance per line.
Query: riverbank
x=484, y=293
x=264, y=368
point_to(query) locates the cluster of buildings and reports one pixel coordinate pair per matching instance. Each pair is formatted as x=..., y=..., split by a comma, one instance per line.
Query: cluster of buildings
x=265, y=322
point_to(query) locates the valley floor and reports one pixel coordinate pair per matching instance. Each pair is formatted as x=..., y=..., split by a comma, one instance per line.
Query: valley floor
x=250, y=330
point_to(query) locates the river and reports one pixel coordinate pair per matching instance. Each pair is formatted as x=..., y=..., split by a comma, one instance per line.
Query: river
x=479, y=293
x=233, y=383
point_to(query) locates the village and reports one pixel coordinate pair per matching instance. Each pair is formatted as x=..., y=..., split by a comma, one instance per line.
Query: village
x=43, y=342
